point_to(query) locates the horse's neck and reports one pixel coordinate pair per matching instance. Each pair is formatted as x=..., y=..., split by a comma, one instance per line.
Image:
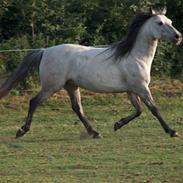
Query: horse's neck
x=144, y=49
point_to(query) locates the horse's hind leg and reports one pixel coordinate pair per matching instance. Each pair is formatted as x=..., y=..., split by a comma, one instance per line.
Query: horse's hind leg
x=34, y=102
x=75, y=98
x=135, y=100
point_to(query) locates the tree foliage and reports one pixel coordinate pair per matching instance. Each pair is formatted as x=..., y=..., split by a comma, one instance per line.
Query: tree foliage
x=43, y=23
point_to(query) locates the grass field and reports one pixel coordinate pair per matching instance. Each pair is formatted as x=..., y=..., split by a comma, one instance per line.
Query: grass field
x=56, y=149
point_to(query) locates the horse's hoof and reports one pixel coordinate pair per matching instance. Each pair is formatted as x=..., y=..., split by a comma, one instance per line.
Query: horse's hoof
x=97, y=136
x=174, y=134
x=20, y=133
x=116, y=126
x=86, y=135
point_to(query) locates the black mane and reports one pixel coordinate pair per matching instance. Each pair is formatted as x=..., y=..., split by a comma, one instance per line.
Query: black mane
x=125, y=46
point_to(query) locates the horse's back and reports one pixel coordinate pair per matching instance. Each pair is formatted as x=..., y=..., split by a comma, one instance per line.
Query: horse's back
x=62, y=62
x=87, y=67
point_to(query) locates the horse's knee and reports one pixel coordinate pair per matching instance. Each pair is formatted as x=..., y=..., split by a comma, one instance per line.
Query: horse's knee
x=76, y=108
x=154, y=110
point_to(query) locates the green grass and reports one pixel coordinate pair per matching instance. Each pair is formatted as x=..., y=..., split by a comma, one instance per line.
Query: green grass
x=55, y=151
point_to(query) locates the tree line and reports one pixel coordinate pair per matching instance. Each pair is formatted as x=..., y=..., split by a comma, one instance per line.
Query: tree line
x=43, y=23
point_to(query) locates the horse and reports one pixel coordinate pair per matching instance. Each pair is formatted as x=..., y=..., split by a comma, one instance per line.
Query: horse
x=124, y=66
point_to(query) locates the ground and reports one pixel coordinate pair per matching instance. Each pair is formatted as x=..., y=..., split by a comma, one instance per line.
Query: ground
x=57, y=149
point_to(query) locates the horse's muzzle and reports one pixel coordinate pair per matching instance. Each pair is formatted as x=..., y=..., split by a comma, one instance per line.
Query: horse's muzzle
x=178, y=38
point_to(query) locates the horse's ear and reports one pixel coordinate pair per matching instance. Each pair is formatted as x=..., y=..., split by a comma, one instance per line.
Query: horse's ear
x=164, y=10
x=158, y=10
x=152, y=11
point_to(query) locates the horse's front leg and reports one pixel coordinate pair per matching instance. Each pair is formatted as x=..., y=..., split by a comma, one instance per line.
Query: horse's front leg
x=149, y=102
x=135, y=100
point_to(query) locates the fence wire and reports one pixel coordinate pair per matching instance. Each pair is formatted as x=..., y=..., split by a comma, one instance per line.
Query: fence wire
x=34, y=49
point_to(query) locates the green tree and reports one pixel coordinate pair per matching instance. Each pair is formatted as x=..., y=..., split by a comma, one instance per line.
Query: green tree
x=43, y=23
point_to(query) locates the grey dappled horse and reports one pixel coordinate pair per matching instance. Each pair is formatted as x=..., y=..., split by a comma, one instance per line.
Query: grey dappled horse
x=123, y=67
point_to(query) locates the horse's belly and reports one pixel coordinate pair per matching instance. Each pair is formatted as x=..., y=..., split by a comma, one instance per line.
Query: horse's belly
x=102, y=88
x=98, y=82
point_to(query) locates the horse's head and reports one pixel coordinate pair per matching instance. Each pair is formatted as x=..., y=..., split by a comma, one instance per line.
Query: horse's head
x=162, y=28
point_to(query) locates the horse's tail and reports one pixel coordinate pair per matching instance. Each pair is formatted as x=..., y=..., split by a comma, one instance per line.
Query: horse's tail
x=32, y=59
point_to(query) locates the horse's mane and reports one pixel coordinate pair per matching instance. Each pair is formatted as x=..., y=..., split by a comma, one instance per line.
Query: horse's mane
x=124, y=46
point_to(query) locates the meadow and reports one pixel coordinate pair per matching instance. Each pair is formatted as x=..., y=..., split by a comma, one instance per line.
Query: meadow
x=57, y=149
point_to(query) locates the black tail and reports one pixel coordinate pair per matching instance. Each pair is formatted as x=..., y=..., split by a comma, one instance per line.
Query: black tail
x=31, y=60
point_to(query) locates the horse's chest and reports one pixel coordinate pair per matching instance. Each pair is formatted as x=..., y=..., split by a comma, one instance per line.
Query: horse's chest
x=137, y=73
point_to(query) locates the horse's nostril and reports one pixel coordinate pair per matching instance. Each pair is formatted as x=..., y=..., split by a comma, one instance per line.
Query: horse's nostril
x=177, y=36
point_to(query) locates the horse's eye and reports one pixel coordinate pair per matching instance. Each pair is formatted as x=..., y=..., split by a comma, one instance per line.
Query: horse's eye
x=160, y=23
